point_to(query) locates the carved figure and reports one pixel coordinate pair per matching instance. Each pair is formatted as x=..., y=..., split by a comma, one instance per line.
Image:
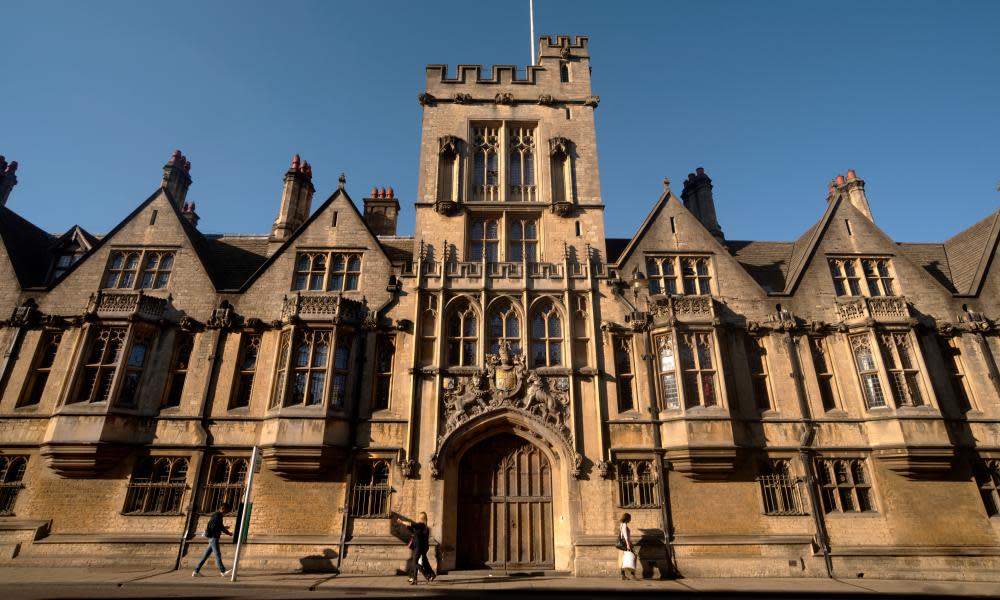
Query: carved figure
x=539, y=399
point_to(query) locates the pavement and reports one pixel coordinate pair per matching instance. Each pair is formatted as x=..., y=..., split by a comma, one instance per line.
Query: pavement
x=33, y=583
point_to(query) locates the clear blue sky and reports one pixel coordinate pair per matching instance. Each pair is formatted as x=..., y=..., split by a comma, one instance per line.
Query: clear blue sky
x=772, y=98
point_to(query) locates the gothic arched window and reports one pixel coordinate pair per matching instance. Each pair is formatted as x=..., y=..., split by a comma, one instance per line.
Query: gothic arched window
x=504, y=326
x=546, y=336
x=463, y=335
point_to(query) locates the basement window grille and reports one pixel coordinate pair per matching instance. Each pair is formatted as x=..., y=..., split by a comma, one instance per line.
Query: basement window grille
x=370, y=496
x=781, y=491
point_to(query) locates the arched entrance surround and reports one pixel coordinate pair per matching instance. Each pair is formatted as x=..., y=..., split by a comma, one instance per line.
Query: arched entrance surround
x=503, y=431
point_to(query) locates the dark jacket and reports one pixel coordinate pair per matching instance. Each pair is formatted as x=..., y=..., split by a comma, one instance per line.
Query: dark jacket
x=216, y=527
x=421, y=537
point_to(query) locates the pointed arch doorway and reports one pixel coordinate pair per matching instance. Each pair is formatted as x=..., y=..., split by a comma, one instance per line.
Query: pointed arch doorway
x=505, y=506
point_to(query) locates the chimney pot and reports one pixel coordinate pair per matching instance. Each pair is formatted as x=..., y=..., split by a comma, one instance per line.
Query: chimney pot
x=392, y=193
x=374, y=192
x=851, y=175
x=187, y=165
x=840, y=180
x=700, y=171
x=176, y=156
x=12, y=167
x=295, y=162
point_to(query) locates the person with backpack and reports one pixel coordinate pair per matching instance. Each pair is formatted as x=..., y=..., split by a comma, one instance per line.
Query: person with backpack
x=214, y=531
x=420, y=543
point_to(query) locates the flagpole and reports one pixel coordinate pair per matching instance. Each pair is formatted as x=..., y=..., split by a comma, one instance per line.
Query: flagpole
x=243, y=527
x=531, y=9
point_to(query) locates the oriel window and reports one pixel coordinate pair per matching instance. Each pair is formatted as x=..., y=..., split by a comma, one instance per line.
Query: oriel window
x=184, y=346
x=987, y=474
x=45, y=357
x=385, y=353
x=624, y=375
x=341, y=370
x=309, y=367
x=247, y=370
x=824, y=373
x=697, y=364
x=757, y=359
x=898, y=354
x=951, y=352
x=667, y=372
x=864, y=360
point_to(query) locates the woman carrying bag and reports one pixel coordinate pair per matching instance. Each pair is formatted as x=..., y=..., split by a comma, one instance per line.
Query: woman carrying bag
x=627, y=562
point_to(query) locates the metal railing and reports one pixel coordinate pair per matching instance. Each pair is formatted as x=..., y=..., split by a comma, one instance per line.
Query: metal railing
x=161, y=498
x=783, y=495
x=370, y=501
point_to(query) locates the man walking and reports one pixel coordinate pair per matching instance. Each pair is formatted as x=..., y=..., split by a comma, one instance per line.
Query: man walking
x=213, y=531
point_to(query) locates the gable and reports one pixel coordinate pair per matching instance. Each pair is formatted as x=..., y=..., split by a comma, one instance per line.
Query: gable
x=970, y=253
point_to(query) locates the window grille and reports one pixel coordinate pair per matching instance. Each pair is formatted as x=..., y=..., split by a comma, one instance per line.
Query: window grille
x=637, y=484
x=824, y=373
x=951, y=351
x=861, y=276
x=309, y=367
x=428, y=330
x=157, y=487
x=45, y=357
x=782, y=493
x=624, y=372
x=523, y=242
x=385, y=351
x=484, y=242
x=864, y=360
x=845, y=486
x=370, y=496
x=903, y=373
x=667, y=371
x=504, y=327
x=485, y=163
x=663, y=271
x=12, y=470
x=247, y=370
x=182, y=359
x=463, y=335
x=546, y=336
x=123, y=271
x=100, y=364
x=226, y=482
x=329, y=271
x=757, y=358
x=521, y=152
x=987, y=474
x=699, y=372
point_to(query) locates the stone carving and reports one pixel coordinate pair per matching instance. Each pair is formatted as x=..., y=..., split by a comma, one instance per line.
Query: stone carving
x=505, y=385
x=334, y=307
x=223, y=317
x=577, y=465
x=26, y=314
x=592, y=101
x=504, y=98
x=546, y=100
x=425, y=99
x=687, y=307
x=407, y=468
x=447, y=208
x=448, y=144
x=461, y=98
x=604, y=468
x=138, y=304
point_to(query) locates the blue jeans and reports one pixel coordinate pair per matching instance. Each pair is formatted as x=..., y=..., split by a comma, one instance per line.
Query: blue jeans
x=213, y=546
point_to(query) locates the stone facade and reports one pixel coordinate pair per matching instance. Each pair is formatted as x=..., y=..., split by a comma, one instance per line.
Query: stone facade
x=822, y=406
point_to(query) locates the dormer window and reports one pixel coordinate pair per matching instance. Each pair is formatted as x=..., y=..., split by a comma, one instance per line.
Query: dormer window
x=679, y=275
x=862, y=276
x=139, y=269
x=327, y=271
x=63, y=262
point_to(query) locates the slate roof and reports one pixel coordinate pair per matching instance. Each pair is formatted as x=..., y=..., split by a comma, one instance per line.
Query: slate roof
x=234, y=258
x=28, y=247
x=613, y=248
x=968, y=251
x=399, y=249
x=933, y=259
x=766, y=262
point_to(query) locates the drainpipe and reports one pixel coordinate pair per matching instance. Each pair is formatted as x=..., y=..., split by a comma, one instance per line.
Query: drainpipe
x=346, y=511
x=192, y=514
x=806, y=452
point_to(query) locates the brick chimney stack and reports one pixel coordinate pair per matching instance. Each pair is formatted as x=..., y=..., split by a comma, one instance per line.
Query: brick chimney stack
x=187, y=211
x=177, y=177
x=8, y=179
x=296, y=200
x=855, y=190
x=381, y=211
x=697, y=197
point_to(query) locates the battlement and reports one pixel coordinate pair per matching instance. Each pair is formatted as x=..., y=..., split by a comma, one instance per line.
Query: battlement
x=499, y=74
x=577, y=48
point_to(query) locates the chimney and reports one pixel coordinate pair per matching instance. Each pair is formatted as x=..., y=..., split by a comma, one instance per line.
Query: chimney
x=8, y=179
x=296, y=200
x=177, y=177
x=189, y=215
x=697, y=197
x=381, y=211
x=854, y=188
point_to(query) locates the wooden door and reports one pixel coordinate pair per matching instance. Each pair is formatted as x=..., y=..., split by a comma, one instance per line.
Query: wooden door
x=505, y=506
